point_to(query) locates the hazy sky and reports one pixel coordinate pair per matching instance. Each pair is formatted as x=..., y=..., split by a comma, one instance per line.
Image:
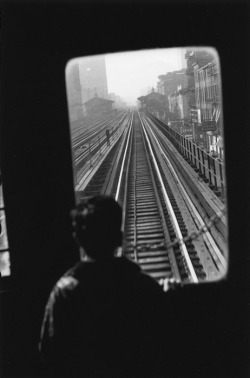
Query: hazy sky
x=130, y=73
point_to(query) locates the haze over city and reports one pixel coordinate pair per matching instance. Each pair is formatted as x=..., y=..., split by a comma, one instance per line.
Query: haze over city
x=131, y=74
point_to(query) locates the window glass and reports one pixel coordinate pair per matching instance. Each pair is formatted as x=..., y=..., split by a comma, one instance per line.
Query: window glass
x=168, y=101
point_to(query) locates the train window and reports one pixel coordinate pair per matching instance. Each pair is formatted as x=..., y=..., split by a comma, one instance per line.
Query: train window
x=4, y=247
x=147, y=128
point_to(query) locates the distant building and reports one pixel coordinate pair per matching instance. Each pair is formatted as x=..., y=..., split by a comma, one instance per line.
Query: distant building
x=118, y=102
x=196, y=57
x=179, y=106
x=178, y=103
x=204, y=80
x=74, y=93
x=97, y=107
x=170, y=82
x=207, y=91
x=93, y=78
x=208, y=102
x=153, y=102
x=156, y=104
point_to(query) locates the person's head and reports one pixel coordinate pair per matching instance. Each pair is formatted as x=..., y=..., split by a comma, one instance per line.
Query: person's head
x=97, y=226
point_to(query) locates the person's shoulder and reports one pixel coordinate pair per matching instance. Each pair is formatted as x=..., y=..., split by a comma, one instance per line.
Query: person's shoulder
x=67, y=283
x=64, y=287
x=141, y=279
x=150, y=282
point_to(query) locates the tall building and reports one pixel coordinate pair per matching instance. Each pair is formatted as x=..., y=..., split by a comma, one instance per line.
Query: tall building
x=196, y=57
x=178, y=104
x=207, y=91
x=170, y=82
x=204, y=80
x=74, y=92
x=93, y=78
x=208, y=102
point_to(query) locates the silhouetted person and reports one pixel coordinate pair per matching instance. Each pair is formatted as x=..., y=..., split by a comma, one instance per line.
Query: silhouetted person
x=104, y=316
x=107, y=135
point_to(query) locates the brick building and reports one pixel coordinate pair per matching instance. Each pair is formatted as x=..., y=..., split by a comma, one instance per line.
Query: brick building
x=179, y=103
x=180, y=99
x=207, y=90
x=170, y=82
x=155, y=103
x=97, y=107
x=204, y=81
x=208, y=102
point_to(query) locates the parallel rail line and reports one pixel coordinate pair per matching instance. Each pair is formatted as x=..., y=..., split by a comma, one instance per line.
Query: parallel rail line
x=152, y=218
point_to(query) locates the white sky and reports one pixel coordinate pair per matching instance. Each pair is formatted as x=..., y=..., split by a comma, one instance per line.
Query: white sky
x=128, y=74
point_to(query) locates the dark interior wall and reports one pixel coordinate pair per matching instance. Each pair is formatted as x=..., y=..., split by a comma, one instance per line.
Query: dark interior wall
x=38, y=40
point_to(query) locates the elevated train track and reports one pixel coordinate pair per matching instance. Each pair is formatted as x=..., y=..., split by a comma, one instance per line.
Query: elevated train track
x=163, y=230
x=87, y=132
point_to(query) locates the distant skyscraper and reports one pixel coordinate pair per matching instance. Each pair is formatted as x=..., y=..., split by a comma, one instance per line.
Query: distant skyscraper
x=93, y=78
x=74, y=92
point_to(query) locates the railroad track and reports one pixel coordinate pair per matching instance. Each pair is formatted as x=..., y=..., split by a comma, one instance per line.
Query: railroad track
x=149, y=223
x=91, y=145
x=143, y=222
x=155, y=229
x=96, y=128
x=106, y=178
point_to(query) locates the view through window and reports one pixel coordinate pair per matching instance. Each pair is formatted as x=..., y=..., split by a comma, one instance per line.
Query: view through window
x=4, y=247
x=147, y=128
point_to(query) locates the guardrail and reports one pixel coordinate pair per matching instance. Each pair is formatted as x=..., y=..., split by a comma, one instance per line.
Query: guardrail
x=209, y=168
x=95, y=146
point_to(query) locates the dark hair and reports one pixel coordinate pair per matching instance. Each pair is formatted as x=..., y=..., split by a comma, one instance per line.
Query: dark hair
x=97, y=222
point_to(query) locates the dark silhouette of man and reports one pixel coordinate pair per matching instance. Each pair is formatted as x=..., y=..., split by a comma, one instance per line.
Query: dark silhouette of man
x=104, y=316
x=107, y=136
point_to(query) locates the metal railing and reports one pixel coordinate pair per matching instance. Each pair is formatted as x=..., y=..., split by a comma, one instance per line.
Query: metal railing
x=95, y=146
x=209, y=168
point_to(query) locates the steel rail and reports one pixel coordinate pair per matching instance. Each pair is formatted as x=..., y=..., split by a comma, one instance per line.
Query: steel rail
x=101, y=126
x=120, y=250
x=171, y=211
x=123, y=161
x=158, y=264
x=106, y=181
x=217, y=255
x=93, y=147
